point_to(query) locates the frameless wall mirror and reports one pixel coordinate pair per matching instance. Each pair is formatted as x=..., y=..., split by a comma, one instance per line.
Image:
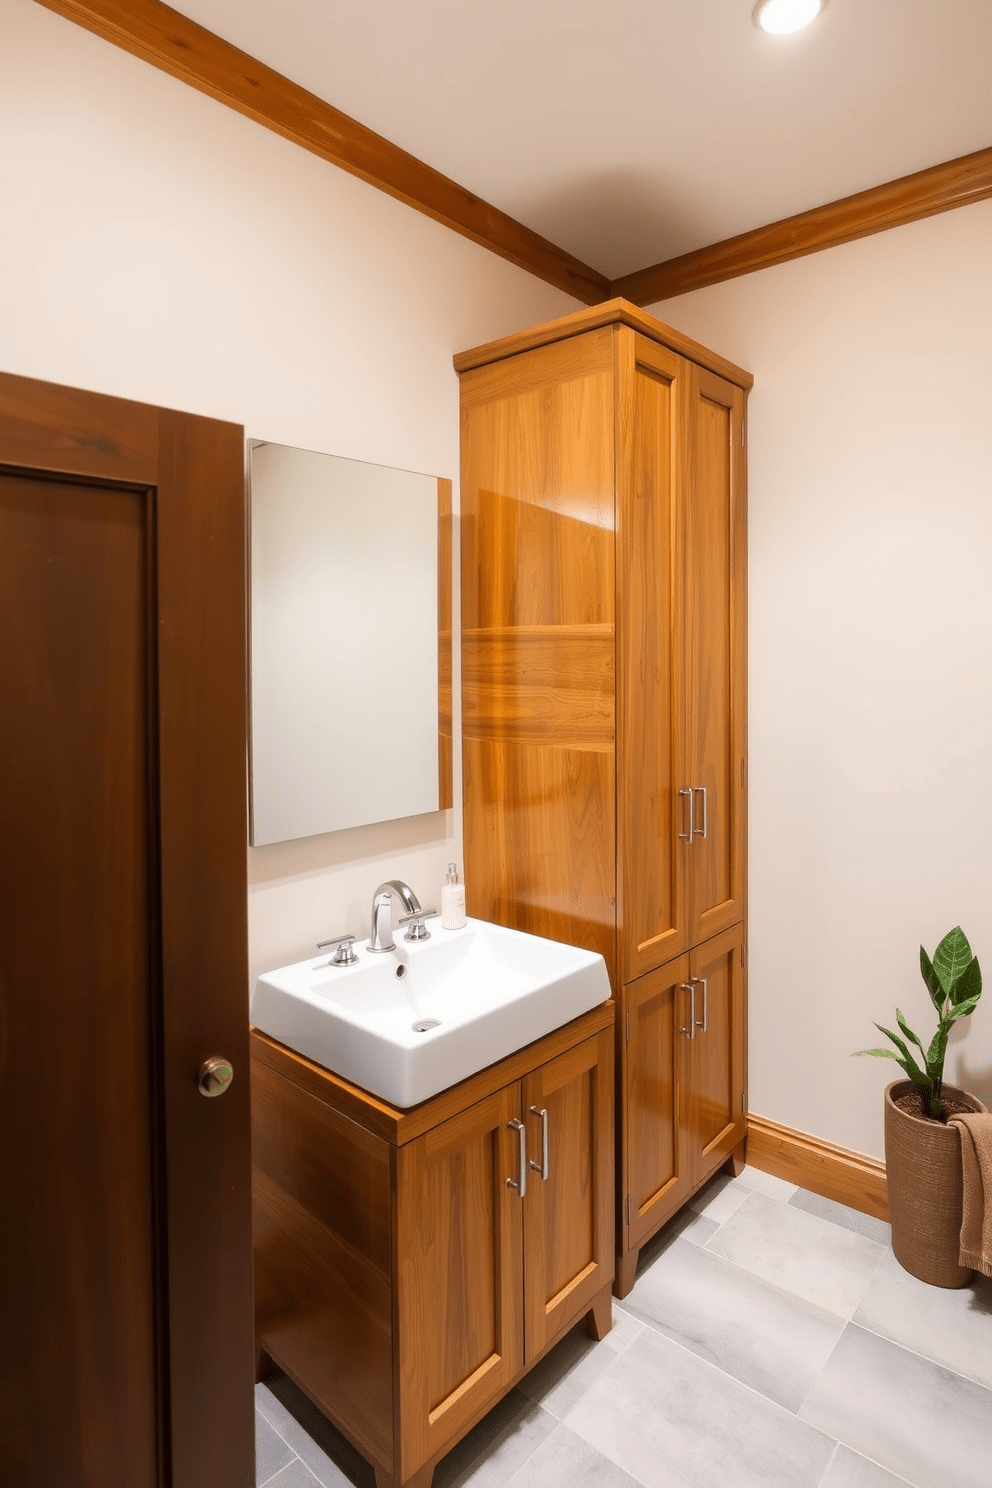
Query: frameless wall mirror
x=350, y=614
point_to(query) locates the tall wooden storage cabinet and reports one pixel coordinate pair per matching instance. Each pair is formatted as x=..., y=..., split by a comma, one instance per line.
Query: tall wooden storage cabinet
x=603, y=514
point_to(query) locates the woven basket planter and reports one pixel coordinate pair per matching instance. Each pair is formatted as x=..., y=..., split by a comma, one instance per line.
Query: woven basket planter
x=923, y=1170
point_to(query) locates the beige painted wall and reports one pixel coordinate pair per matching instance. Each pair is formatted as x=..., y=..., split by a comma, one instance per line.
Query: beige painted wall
x=158, y=246
x=870, y=543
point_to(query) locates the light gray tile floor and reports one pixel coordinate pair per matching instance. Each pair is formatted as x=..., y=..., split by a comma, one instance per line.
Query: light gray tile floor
x=952, y=1326
x=850, y=1470
x=850, y=1219
x=671, y=1420
x=718, y=1200
x=770, y=1339
x=766, y=1338
x=564, y=1460
x=822, y=1262
x=921, y=1421
x=767, y=1183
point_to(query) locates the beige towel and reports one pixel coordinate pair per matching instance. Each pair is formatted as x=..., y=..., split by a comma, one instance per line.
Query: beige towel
x=976, y=1219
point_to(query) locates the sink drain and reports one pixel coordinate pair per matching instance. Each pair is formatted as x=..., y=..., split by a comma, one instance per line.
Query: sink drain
x=424, y=1024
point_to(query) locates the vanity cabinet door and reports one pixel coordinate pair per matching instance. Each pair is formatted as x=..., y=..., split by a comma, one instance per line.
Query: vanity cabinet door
x=715, y=1113
x=568, y=1209
x=459, y=1275
x=656, y=1153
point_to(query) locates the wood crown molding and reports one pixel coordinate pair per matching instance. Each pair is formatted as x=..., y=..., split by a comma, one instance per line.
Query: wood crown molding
x=170, y=41
x=956, y=183
x=834, y=1172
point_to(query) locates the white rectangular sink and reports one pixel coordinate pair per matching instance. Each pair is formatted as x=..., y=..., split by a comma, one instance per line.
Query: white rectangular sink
x=483, y=991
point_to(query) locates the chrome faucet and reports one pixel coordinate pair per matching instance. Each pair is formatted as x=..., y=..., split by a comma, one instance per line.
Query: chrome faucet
x=381, y=936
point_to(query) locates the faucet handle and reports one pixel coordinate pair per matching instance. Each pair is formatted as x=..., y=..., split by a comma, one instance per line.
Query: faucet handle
x=345, y=955
x=418, y=930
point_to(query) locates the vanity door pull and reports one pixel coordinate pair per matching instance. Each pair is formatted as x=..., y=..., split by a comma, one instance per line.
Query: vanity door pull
x=699, y=790
x=691, y=1030
x=520, y=1182
x=688, y=836
x=542, y=1166
x=701, y=982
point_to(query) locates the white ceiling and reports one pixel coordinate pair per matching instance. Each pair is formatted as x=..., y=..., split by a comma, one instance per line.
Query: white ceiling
x=632, y=131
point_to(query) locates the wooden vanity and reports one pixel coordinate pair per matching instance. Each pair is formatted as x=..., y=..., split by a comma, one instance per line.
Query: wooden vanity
x=402, y=1279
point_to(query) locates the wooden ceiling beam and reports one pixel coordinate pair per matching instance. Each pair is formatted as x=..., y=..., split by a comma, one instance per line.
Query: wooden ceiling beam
x=955, y=183
x=170, y=41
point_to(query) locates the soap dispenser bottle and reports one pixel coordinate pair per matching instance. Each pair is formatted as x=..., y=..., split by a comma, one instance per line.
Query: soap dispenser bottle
x=453, y=901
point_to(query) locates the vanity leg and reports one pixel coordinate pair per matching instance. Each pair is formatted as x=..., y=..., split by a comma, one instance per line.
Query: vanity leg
x=263, y=1364
x=735, y=1162
x=422, y=1478
x=626, y=1273
x=599, y=1318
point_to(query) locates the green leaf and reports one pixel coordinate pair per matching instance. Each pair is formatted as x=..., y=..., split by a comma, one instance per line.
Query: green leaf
x=937, y=1050
x=968, y=984
x=963, y=1009
x=932, y=980
x=918, y=1079
x=907, y=1061
x=951, y=957
x=908, y=1031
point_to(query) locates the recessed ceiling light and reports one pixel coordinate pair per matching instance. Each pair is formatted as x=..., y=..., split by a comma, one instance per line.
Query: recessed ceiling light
x=782, y=17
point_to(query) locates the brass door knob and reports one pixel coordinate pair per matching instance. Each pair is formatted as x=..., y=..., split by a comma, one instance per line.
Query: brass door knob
x=215, y=1076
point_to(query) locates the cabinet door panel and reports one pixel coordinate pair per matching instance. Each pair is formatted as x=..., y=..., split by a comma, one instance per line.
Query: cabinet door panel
x=716, y=1056
x=657, y=1173
x=459, y=1260
x=715, y=539
x=537, y=487
x=650, y=420
x=538, y=581
x=541, y=836
x=568, y=1217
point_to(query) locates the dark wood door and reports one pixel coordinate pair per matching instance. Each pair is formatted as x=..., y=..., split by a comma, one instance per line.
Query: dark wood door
x=568, y=1208
x=125, y=1260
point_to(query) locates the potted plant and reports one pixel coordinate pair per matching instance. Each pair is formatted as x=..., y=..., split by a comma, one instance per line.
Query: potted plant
x=922, y=1152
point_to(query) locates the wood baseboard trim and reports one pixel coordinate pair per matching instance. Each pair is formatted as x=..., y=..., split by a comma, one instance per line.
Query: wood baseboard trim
x=954, y=183
x=175, y=44
x=834, y=1172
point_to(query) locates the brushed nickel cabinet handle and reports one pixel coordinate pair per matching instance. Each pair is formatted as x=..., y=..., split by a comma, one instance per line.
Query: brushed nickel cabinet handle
x=699, y=790
x=702, y=982
x=691, y=1030
x=214, y=1077
x=542, y=1166
x=688, y=836
x=520, y=1182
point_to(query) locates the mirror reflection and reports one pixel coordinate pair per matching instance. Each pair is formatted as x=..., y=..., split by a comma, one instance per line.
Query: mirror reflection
x=350, y=642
